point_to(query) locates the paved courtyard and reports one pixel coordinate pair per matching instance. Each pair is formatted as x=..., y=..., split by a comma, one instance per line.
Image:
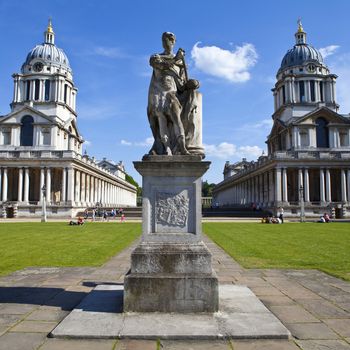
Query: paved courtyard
x=314, y=306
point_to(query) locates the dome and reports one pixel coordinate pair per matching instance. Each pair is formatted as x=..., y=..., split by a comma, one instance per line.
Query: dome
x=301, y=54
x=50, y=54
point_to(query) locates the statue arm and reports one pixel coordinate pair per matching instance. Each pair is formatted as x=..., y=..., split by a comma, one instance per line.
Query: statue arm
x=158, y=62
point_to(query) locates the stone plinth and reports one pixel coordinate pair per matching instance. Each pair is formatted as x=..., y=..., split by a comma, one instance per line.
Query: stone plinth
x=171, y=268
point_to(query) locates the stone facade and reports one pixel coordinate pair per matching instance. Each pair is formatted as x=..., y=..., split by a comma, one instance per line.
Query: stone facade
x=40, y=144
x=308, y=156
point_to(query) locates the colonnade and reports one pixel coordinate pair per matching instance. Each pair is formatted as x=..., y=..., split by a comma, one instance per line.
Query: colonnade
x=276, y=186
x=63, y=186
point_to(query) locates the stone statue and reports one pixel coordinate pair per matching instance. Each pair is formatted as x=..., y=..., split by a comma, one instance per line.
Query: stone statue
x=174, y=105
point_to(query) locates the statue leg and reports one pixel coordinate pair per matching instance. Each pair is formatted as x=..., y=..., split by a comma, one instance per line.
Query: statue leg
x=164, y=134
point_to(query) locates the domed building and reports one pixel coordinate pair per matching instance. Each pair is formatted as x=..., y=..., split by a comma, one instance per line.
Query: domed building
x=307, y=167
x=41, y=147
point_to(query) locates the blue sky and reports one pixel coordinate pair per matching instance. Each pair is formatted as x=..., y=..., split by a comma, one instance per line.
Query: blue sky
x=234, y=48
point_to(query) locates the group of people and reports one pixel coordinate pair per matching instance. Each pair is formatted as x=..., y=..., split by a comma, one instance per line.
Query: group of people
x=324, y=218
x=274, y=220
x=105, y=215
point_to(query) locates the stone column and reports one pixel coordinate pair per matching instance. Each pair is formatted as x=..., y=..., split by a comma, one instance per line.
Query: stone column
x=26, y=184
x=348, y=178
x=87, y=189
x=306, y=185
x=343, y=186
x=4, y=185
x=48, y=185
x=63, y=194
x=285, y=185
x=70, y=185
x=77, y=186
x=328, y=186
x=20, y=185
x=322, y=191
x=300, y=182
x=83, y=188
x=278, y=194
x=0, y=183
x=42, y=181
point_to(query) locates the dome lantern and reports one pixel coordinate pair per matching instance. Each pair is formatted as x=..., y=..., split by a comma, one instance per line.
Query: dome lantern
x=300, y=35
x=49, y=34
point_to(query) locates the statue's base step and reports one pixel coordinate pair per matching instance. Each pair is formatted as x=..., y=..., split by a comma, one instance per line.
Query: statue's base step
x=241, y=316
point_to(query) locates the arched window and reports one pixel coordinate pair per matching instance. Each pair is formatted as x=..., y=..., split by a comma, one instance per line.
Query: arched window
x=322, y=133
x=47, y=90
x=27, y=131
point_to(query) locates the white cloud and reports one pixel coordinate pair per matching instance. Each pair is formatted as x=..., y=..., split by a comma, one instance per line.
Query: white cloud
x=109, y=52
x=87, y=143
x=265, y=123
x=125, y=143
x=328, y=50
x=226, y=150
x=229, y=65
x=146, y=143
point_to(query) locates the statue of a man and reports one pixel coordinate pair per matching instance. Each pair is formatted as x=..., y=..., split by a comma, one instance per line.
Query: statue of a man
x=171, y=100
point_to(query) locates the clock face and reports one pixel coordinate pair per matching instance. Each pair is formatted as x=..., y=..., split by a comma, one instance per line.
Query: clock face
x=38, y=67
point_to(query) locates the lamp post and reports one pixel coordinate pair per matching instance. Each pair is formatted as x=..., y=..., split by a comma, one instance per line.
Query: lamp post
x=302, y=208
x=43, y=215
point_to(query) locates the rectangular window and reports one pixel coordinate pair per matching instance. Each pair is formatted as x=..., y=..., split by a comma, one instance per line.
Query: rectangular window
x=46, y=137
x=7, y=137
x=312, y=90
x=284, y=94
x=37, y=90
x=343, y=139
x=301, y=91
x=47, y=90
x=28, y=90
x=304, y=139
x=65, y=93
x=321, y=91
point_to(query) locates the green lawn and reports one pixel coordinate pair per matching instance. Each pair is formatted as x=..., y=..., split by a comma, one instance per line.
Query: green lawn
x=324, y=247
x=58, y=244
x=292, y=245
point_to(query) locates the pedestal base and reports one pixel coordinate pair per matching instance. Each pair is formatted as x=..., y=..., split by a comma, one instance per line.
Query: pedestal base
x=171, y=278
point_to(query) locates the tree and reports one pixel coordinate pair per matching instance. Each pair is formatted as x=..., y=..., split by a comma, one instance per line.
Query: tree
x=131, y=180
x=207, y=189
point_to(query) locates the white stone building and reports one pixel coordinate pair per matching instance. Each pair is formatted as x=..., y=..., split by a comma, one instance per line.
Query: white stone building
x=308, y=157
x=40, y=145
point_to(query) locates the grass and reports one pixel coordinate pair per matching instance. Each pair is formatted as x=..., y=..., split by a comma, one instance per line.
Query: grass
x=58, y=244
x=325, y=247
x=292, y=245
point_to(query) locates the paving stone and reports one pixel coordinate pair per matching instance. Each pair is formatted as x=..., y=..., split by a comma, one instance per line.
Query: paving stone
x=131, y=344
x=259, y=291
x=81, y=344
x=341, y=326
x=194, y=345
x=276, y=300
x=311, y=331
x=292, y=314
x=47, y=315
x=34, y=327
x=264, y=345
x=21, y=341
x=9, y=320
x=323, y=345
x=322, y=308
x=17, y=309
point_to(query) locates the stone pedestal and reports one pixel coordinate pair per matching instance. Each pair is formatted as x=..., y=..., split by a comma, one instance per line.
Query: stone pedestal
x=171, y=268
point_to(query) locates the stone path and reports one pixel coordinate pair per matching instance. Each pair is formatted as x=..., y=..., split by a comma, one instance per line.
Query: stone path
x=314, y=306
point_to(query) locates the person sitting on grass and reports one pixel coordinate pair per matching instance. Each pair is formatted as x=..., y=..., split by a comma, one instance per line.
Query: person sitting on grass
x=80, y=221
x=326, y=217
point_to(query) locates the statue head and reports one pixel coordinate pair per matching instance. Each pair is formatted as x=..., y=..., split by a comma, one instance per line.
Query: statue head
x=168, y=40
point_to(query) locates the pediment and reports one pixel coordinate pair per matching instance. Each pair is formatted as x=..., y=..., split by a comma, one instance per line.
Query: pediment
x=323, y=112
x=277, y=127
x=16, y=116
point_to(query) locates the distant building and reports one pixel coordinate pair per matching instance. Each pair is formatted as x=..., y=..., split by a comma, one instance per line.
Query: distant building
x=308, y=147
x=40, y=144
